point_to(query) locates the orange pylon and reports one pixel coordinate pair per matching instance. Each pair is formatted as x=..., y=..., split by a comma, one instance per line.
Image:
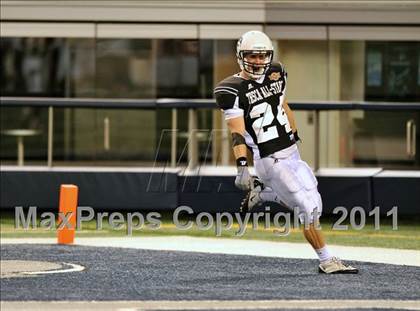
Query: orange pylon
x=68, y=204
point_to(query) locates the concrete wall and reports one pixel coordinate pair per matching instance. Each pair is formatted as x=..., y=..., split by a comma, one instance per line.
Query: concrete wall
x=229, y=11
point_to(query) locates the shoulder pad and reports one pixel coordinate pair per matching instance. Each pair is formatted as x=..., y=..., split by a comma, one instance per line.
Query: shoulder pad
x=277, y=66
x=230, y=85
x=226, y=92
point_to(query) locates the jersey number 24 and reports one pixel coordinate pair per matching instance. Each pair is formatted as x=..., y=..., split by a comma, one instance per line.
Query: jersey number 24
x=265, y=117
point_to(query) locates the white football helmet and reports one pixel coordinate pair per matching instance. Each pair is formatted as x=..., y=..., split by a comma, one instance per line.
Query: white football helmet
x=254, y=42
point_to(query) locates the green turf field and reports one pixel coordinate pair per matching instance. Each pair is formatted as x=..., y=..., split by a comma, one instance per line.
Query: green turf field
x=407, y=236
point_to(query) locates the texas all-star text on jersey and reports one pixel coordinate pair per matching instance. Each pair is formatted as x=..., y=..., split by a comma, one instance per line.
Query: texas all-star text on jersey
x=264, y=92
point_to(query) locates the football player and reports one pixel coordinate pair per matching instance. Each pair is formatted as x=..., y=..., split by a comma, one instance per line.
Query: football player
x=256, y=111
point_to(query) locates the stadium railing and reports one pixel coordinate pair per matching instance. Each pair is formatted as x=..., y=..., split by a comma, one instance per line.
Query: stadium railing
x=192, y=105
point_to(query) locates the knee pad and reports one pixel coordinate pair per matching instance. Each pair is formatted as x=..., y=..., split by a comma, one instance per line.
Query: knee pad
x=310, y=207
x=306, y=176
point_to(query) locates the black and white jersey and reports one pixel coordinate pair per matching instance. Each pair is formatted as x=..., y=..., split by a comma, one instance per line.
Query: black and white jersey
x=260, y=102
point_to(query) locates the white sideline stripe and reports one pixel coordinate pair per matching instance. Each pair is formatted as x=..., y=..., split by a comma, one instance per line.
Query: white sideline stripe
x=214, y=171
x=241, y=247
x=200, y=171
x=206, y=170
x=348, y=172
x=74, y=268
x=210, y=304
x=14, y=168
x=404, y=174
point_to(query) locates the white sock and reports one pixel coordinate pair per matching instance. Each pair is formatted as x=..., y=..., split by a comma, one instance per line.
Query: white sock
x=323, y=254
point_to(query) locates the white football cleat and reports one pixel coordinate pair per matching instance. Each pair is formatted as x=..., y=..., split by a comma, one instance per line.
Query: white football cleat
x=252, y=198
x=336, y=266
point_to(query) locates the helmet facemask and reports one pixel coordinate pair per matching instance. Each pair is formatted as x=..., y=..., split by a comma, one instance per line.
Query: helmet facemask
x=255, y=69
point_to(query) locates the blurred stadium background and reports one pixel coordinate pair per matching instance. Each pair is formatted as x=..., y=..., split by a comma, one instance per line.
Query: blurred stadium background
x=91, y=87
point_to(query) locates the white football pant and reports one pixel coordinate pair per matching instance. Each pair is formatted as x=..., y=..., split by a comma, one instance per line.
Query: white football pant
x=290, y=181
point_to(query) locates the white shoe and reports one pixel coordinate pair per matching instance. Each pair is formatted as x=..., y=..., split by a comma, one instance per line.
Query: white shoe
x=335, y=266
x=252, y=198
